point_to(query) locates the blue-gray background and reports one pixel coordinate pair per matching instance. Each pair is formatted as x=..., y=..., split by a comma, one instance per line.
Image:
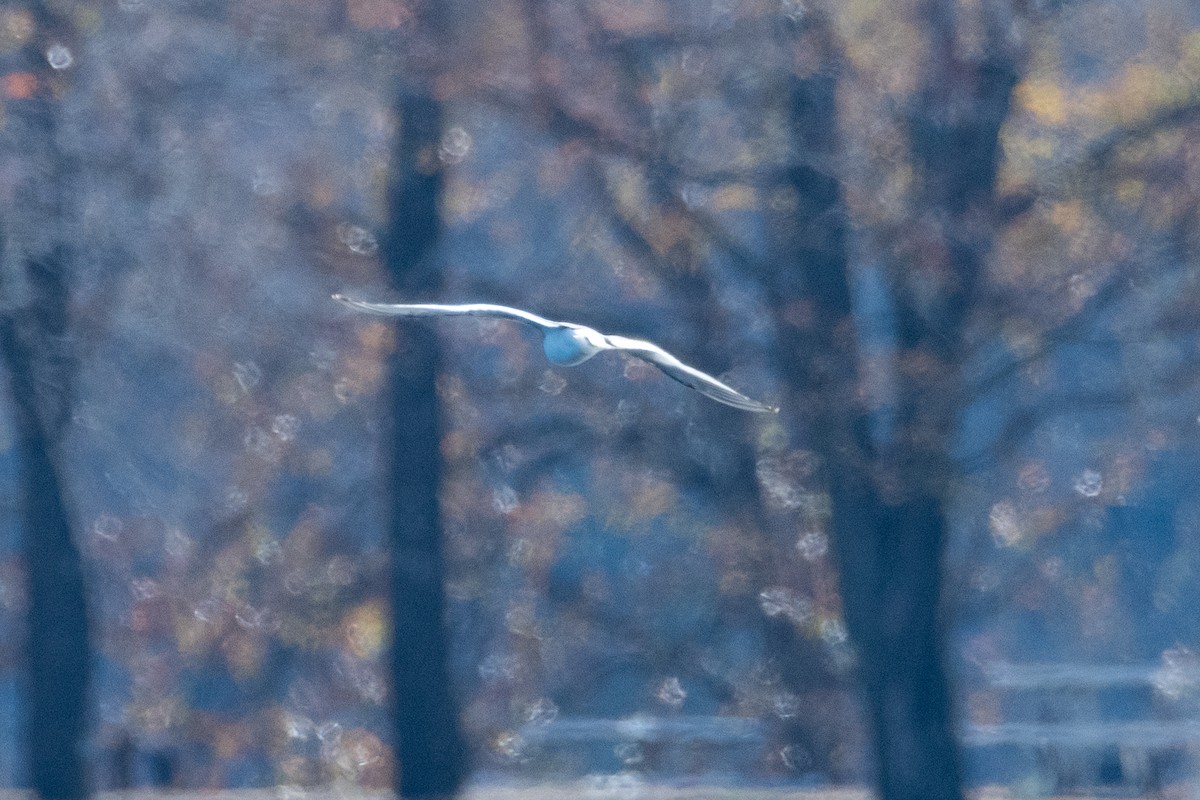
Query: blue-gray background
x=607, y=554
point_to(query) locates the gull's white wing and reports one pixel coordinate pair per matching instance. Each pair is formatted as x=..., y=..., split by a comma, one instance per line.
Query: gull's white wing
x=691, y=377
x=435, y=310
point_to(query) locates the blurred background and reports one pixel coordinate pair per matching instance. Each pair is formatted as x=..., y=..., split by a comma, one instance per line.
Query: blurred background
x=250, y=539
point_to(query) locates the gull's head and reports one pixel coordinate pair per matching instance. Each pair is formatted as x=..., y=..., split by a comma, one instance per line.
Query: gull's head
x=568, y=345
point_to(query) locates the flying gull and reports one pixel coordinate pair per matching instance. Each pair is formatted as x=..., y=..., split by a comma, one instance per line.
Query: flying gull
x=568, y=344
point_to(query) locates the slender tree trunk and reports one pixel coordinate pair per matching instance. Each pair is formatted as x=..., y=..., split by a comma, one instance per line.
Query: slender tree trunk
x=889, y=484
x=35, y=253
x=887, y=548
x=57, y=643
x=431, y=750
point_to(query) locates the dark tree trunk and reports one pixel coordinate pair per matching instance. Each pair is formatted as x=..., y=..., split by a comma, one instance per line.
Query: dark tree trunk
x=35, y=253
x=888, y=550
x=889, y=486
x=889, y=558
x=431, y=750
x=57, y=643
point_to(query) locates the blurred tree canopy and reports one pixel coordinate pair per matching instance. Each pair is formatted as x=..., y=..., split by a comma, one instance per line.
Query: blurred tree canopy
x=953, y=239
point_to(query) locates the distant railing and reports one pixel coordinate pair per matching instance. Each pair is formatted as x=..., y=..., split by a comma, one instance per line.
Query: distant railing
x=715, y=730
x=1151, y=734
x=1097, y=724
x=714, y=745
x=1092, y=676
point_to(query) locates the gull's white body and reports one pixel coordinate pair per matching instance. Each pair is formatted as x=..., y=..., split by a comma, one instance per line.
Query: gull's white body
x=568, y=344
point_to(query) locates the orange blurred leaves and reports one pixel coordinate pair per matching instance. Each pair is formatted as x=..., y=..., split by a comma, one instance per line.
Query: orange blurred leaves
x=19, y=85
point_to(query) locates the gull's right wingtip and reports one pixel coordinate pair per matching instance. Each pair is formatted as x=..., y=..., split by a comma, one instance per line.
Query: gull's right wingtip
x=756, y=406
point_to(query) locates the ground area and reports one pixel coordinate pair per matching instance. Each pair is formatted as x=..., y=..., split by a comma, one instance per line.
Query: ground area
x=591, y=790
